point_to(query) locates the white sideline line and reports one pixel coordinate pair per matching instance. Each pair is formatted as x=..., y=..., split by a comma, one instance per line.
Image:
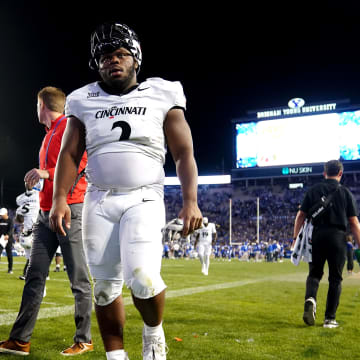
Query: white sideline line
x=49, y=303
x=51, y=312
x=62, y=280
x=195, y=290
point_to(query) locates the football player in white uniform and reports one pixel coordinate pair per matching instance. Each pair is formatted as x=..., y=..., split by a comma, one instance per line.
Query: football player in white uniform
x=171, y=229
x=124, y=127
x=58, y=257
x=206, y=237
x=26, y=213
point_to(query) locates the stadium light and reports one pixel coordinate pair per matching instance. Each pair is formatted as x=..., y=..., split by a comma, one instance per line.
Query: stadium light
x=202, y=180
x=296, y=186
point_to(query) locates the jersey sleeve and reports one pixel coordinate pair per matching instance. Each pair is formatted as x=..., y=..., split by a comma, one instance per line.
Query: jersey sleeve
x=351, y=208
x=171, y=92
x=179, y=96
x=18, y=200
x=71, y=107
x=306, y=203
x=213, y=229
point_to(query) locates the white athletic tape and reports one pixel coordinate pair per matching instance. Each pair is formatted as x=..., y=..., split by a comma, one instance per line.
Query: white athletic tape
x=51, y=312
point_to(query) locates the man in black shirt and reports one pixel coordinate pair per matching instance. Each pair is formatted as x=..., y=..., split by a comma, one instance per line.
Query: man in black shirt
x=6, y=229
x=328, y=240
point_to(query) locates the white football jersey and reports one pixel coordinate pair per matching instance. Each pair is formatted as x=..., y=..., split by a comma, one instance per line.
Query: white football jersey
x=125, y=140
x=28, y=206
x=205, y=233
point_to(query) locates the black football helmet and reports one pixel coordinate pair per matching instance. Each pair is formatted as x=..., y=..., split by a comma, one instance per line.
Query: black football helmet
x=110, y=36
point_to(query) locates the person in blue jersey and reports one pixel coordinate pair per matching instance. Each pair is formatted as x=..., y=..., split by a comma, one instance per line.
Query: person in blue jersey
x=257, y=252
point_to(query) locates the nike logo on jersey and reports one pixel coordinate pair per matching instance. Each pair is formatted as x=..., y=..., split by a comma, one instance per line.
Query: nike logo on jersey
x=146, y=200
x=142, y=89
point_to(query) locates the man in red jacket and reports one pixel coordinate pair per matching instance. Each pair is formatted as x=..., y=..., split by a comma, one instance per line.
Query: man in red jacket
x=50, y=108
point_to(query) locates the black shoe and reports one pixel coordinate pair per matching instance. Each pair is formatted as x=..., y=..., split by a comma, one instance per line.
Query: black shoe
x=57, y=269
x=309, y=311
x=22, y=277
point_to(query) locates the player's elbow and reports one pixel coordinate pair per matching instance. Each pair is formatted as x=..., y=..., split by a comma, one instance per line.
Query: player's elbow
x=184, y=154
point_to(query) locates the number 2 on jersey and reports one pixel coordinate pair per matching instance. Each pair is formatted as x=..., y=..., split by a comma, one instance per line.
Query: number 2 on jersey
x=125, y=127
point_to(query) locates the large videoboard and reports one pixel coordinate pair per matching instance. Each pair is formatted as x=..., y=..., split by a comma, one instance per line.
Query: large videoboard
x=295, y=145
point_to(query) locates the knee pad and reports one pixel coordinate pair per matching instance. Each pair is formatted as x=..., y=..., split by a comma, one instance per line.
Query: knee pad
x=106, y=291
x=145, y=286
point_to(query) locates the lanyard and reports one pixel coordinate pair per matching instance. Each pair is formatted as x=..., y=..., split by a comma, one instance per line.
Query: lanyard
x=52, y=134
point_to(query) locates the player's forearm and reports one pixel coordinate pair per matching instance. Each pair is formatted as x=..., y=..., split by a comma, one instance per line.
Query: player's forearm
x=65, y=175
x=355, y=229
x=299, y=220
x=45, y=173
x=186, y=170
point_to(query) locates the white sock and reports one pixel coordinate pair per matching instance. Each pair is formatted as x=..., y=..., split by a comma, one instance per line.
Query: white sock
x=116, y=355
x=207, y=262
x=154, y=330
x=201, y=260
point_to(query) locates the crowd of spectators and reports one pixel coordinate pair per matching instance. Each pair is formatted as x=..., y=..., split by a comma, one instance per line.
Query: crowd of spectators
x=277, y=210
x=278, y=205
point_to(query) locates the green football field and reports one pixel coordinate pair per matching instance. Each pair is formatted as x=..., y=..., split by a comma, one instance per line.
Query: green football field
x=240, y=311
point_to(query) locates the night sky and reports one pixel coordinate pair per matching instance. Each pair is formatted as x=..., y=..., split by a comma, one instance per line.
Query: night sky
x=229, y=60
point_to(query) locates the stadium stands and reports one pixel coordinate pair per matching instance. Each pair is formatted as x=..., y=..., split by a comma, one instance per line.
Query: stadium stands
x=278, y=206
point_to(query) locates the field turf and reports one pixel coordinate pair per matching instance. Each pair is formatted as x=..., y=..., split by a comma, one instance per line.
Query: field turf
x=240, y=311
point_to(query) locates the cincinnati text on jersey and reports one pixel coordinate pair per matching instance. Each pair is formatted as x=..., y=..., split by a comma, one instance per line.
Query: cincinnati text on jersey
x=124, y=110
